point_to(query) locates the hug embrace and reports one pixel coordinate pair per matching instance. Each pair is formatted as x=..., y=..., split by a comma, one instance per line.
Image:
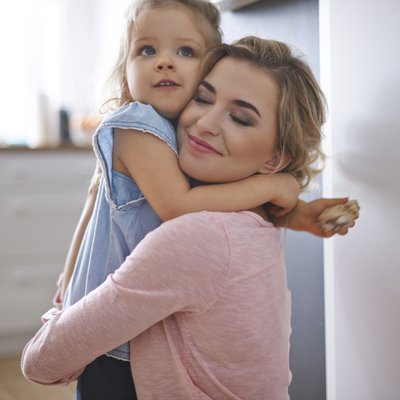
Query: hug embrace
x=175, y=284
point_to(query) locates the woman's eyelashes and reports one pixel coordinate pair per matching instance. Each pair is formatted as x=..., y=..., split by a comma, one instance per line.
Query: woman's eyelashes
x=202, y=99
x=241, y=121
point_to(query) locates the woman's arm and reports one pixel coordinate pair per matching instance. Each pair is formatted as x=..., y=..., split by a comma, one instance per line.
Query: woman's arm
x=305, y=217
x=148, y=287
x=78, y=236
x=152, y=164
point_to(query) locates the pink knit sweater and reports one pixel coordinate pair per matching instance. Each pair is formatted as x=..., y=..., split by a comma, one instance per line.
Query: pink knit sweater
x=204, y=301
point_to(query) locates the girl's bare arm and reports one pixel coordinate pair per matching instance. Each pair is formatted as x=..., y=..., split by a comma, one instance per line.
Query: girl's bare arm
x=78, y=235
x=154, y=167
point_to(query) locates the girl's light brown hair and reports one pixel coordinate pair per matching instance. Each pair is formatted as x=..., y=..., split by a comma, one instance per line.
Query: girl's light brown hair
x=207, y=16
x=301, y=111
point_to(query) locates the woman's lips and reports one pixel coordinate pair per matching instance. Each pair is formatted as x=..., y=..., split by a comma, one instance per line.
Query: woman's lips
x=201, y=146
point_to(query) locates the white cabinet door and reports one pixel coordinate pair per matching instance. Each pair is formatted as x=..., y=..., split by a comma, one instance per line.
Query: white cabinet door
x=41, y=197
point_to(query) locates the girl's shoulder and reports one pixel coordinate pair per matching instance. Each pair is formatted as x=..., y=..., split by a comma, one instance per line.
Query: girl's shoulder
x=141, y=117
x=134, y=113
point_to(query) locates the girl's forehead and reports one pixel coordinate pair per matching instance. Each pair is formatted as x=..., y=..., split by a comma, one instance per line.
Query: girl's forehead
x=173, y=20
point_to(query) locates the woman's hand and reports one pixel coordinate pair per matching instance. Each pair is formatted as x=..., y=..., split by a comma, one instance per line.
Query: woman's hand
x=305, y=217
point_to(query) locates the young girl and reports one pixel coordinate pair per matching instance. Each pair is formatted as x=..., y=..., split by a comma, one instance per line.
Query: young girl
x=141, y=183
x=204, y=296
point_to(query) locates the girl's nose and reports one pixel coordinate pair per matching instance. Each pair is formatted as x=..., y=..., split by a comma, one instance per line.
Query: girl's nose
x=165, y=63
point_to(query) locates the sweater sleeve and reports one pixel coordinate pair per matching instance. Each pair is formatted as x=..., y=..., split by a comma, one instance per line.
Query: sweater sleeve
x=181, y=266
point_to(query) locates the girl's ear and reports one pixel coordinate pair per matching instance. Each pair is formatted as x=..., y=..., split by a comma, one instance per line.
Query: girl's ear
x=276, y=164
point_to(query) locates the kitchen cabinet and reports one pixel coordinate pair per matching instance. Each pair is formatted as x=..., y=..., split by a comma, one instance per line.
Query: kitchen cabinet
x=42, y=193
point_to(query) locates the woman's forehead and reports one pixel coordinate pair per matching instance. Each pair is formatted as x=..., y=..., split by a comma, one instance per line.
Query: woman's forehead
x=234, y=79
x=234, y=67
x=241, y=74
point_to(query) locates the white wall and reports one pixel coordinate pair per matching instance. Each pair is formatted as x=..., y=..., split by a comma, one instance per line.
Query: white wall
x=360, y=71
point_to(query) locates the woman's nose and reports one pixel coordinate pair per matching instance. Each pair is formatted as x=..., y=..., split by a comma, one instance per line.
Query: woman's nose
x=209, y=123
x=165, y=63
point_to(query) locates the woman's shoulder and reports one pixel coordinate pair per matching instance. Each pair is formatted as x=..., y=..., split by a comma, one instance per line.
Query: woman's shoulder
x=193, y=225
x=198, y=219
x=209, y=220
x=192, y=238
x=221, y=227
x=214, y=226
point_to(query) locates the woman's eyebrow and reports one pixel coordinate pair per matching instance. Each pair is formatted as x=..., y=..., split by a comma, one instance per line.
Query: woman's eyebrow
x=240, y=103
x=245, y=104
x=208, y=86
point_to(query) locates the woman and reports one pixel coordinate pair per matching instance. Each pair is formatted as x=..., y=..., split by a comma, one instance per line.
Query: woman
x=204, y=296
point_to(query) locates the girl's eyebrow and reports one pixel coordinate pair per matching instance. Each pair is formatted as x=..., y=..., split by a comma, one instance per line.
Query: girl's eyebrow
x=181, y=39
x=190, y=40
x=240, y=103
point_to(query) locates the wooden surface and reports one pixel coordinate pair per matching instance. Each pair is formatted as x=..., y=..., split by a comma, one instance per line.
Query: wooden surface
x=13, y=385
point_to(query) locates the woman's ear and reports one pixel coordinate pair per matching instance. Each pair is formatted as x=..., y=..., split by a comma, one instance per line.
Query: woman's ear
x=276, y=164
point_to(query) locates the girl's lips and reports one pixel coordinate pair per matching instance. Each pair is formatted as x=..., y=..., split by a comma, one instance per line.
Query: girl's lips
x=166, y=83
x=201, y=146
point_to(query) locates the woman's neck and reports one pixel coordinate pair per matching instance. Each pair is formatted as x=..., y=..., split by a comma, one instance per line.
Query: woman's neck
x=261, y=212
x=258, y=210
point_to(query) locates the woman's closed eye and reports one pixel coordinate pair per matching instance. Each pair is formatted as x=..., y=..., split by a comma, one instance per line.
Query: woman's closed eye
x=147, y=51
x=241, y=121
x=201, y=99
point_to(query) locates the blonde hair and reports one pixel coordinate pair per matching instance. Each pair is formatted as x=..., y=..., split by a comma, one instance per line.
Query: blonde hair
x=206, y=12
x=301, y=111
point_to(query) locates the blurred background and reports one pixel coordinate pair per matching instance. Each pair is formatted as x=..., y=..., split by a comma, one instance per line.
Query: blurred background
x=55, y=57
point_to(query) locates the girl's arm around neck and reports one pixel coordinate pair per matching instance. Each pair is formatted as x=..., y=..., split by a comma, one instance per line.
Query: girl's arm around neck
x=154, y=167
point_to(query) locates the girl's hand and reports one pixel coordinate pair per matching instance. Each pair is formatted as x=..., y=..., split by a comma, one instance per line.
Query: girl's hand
x=58, y=296
x=287, y=193
x=305, y=217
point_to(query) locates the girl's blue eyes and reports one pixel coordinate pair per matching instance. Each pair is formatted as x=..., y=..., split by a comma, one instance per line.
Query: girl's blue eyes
x=150, y=51
x=147, y=51
x=185, y=52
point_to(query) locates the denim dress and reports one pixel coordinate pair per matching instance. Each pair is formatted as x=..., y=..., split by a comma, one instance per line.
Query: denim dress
x=121, y=216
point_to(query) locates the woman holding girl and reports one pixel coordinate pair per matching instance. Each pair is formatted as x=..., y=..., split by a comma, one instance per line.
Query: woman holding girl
x=203, y=299
x=141, y=183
